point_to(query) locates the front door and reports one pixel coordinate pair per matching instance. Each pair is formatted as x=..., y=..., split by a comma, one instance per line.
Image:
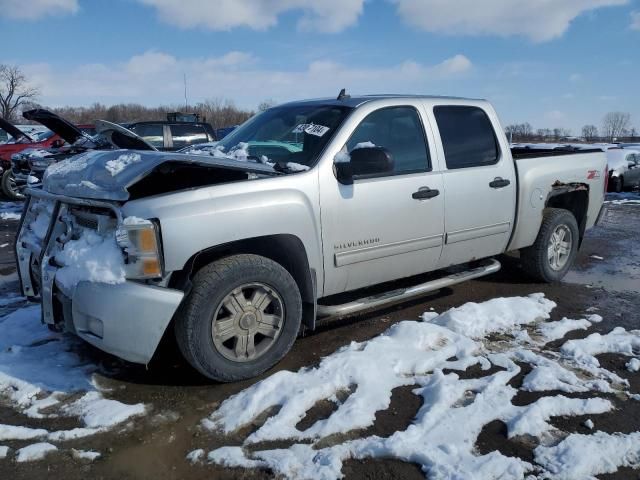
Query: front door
x=388, y=225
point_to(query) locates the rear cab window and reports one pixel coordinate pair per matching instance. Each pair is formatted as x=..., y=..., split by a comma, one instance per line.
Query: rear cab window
x=152, y=133
x=184, y=135
x=467, y=136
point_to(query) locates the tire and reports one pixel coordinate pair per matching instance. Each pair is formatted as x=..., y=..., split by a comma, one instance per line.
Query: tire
x=538, y=261
x=228, y=297
x=617, y=184
x=9, y=188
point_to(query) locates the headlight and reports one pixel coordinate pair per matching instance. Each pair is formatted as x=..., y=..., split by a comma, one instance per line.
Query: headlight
x=140, y=241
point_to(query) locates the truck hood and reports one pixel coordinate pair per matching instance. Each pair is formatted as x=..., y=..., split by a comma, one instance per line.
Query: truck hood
x=65, y=129
x=122, y=137
x=15, y=132
x=112, y=174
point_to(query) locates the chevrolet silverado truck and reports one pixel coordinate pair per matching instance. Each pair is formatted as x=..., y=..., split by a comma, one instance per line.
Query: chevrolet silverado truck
x=310, y=209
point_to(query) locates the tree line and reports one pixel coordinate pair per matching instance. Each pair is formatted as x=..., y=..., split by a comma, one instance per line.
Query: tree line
x=616, y=126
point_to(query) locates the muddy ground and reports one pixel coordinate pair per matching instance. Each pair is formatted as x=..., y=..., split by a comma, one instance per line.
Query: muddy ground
x=606, y=276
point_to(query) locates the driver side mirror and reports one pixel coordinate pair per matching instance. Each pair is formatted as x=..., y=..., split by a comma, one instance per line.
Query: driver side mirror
x=58, y=143
x=364, y=162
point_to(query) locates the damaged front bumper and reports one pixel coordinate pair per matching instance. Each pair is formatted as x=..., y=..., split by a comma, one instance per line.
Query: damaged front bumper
x=126, y=319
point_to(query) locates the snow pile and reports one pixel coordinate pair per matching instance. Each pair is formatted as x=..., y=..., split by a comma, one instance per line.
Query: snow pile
x=582, y=457
x=551, y=331
x=85, y=455
x=425, y=355
x=76, y=163
x=114, y=167
x=633, y=365
x=499, y=315
x=4, y=451
x=583, y=352
x=35, y=452
x=9, y=216
x=297, y=167
x=92, y=257
x=343, y=156
x=39, y=370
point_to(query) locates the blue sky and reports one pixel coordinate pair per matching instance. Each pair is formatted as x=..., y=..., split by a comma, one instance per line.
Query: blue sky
x=553, y=63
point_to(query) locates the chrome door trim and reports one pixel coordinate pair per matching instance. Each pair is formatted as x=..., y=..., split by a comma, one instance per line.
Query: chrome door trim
x=387, y=250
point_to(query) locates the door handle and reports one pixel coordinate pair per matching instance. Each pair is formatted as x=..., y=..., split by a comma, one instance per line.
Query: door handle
x=424, y=193
x=499, y=182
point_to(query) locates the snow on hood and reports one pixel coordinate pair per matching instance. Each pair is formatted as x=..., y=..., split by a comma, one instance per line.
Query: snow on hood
x=106, y=175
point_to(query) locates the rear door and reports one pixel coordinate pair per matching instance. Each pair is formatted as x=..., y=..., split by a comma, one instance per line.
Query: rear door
x=479, y=183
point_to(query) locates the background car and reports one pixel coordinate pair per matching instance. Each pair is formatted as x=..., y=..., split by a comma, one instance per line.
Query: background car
x=168, y=135
x=624, y=168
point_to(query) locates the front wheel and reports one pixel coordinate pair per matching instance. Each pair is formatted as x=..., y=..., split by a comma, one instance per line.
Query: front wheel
x=241, y=317
x=10, y=188
x=551, y=256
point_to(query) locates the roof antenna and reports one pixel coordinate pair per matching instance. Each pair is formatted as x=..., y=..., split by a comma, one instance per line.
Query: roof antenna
x=343, y=94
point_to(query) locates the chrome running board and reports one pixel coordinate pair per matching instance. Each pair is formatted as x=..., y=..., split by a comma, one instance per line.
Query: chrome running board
x=403, y=294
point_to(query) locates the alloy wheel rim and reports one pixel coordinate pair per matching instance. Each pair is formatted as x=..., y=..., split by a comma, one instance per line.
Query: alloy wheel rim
x=247, y=322
x=559, y=249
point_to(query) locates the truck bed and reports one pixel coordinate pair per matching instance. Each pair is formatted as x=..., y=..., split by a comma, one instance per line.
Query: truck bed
x=519, y=153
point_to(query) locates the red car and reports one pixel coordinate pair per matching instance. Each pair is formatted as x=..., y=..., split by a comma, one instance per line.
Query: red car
x=19, y=142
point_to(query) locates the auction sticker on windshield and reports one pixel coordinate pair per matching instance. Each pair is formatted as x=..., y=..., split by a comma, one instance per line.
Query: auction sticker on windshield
x=311, y=129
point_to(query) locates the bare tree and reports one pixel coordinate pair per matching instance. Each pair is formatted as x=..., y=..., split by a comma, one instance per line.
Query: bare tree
x=615, y=124
x=266, y=105
x=519, y=132
x=590, y=132
x=14, y=90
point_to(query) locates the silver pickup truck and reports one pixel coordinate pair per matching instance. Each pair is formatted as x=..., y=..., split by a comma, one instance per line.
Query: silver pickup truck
x=292, y=217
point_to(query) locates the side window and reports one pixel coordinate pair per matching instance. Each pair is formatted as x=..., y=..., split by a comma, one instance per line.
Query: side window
x=152, y=133
x=185, y=135
x=467, y=137
x=400, y=131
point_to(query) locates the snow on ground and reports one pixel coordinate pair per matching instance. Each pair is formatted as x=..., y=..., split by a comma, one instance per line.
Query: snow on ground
x=10, y=210
x=623, y=198
x=34, y=452
x=501, y=333
x=583, y=456
x=43, y=375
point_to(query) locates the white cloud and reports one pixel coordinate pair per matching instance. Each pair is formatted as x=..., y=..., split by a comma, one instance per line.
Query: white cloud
x=555, y=116
x=35, y=9
x=539, y=20
x=156, y=77
x=635, y=20
x=328, y=16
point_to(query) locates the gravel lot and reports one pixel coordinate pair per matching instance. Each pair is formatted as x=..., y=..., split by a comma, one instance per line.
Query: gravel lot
x=605, y=280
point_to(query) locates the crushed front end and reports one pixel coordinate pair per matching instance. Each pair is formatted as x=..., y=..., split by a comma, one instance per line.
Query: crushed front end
x=95, y=273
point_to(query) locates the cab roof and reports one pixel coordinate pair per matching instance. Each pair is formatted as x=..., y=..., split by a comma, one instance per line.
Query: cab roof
x=355, y=101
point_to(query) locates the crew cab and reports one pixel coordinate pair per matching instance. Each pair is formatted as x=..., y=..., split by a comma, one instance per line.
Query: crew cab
x=290, y=218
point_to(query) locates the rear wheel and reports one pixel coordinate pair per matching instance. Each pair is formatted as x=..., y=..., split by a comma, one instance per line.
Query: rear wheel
x=10, y=188
x=241, y=317
x=551, y=256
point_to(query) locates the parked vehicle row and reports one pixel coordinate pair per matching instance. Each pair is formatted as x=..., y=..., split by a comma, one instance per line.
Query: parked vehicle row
x=25, y=159
x=235, y=251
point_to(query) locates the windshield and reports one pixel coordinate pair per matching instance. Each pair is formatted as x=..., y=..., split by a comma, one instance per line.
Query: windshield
x=290, y=136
